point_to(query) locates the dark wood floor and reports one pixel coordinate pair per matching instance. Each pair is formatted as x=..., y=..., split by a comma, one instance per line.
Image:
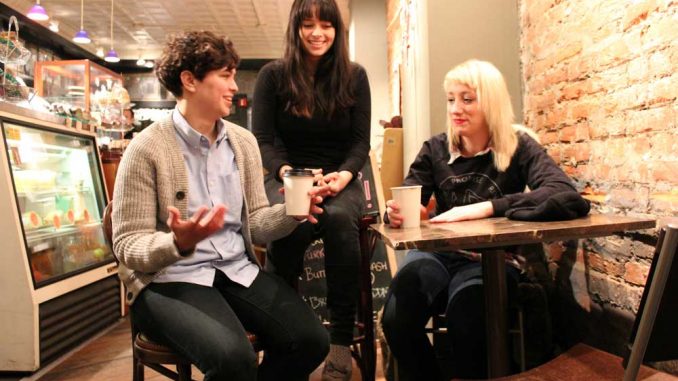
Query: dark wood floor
x=109, y=357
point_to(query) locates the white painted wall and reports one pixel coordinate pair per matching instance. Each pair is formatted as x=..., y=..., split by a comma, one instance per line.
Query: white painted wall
x=460, y=30
x=367, y=45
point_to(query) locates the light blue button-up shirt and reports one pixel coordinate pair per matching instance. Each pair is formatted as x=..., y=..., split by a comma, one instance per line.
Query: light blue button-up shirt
x=213, y=178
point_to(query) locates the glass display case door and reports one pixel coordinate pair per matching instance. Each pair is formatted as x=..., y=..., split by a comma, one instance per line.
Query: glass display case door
x=60, y=196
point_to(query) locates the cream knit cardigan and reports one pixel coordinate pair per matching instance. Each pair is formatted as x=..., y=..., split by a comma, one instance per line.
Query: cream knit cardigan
x=152, y=176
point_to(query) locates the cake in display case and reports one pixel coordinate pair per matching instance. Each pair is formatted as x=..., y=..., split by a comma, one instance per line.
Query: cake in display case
x=56, y=260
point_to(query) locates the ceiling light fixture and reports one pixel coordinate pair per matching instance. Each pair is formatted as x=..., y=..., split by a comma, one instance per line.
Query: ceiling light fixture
x=37, y=12
x=54, y=26
x=112, y=56
x=141, y=62
x=82, y=37
x=149, y=64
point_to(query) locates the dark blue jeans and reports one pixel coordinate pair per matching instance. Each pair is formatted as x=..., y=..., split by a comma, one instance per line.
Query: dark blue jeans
x=339, y=228
x=428, y=284
x=207, y=325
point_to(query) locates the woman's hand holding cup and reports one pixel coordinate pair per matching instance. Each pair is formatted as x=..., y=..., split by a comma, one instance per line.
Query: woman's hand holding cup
x=395, y=219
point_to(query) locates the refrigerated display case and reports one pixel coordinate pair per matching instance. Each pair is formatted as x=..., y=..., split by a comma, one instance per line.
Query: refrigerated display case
x=58, y=274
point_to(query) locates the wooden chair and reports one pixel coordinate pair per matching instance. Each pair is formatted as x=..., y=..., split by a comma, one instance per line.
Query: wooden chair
x=146, y=352
x=652, y=336
x=363, y=348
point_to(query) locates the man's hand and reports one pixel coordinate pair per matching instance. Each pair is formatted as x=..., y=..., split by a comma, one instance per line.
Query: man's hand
x=203, y=223
x=467, y=212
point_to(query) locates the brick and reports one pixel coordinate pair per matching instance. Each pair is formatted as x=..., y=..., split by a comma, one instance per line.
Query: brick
x=602, y=171
x=569, y=170
x=638, y=69
x=641, y=145
x=568, y=51
x=636, y=273
x=634, y=96
x=654, y=119
x=579, y=152
x=616, y=154
x=582, y=132
x=665, y=204
x=604, y=265
x=623, y=199
x=583, y=172
x=548, y=138
x=642, y=250
x=633, y=40
x=663, y=90
x=612, y=78
x=633, y=172
x=613, y=291
x=662, y=32
x=637, y=13
x=665, y=171
x=567, y=134
x=556, y=117
x=582, y=110
x=575, y=90
x=556, y=76
x=660, y=63
x=554, y=152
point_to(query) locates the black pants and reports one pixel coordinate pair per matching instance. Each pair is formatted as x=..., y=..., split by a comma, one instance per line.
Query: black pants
x=428, y=284
x=339, y=228
x=207, y=325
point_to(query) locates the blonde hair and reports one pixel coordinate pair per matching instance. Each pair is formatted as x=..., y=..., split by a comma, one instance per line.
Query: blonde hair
x=495, y=103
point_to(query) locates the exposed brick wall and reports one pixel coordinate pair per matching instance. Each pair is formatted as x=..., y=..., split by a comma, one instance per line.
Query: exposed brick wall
x=600, y=87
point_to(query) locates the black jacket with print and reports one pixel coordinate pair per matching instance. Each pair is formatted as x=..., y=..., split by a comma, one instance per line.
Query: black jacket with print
x=476, y=179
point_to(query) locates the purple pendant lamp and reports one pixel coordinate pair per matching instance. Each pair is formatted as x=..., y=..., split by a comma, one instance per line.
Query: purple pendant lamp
x=112, y=56
x=82, y=37
x=37, y=12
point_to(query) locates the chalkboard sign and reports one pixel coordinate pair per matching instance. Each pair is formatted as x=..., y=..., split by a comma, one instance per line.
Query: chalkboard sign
x=312, y=285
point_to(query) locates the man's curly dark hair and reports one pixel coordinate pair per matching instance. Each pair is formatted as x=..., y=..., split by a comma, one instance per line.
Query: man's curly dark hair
x=199, y=52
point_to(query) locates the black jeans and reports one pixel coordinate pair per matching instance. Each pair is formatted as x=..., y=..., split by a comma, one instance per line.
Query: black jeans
x=207, y=325
x=427, y=284
x=339, y=228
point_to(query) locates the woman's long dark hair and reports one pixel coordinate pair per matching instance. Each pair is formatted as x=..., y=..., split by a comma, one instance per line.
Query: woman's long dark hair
x=331, y=88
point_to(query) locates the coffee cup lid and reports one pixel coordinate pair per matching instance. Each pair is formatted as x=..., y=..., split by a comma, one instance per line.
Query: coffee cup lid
x=298, y=172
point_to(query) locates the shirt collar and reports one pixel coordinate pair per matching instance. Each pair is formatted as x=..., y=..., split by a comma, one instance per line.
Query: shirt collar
x=192, y=137
x=455, y=152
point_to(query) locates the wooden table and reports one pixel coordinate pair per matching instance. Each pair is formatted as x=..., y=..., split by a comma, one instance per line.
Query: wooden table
x=498, y=232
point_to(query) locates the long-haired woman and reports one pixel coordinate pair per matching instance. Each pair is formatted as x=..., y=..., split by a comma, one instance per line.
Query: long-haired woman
x=312, y=110
x=478, y=169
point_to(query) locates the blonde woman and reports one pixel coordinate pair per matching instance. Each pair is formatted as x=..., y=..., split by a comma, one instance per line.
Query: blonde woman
x=478, y=169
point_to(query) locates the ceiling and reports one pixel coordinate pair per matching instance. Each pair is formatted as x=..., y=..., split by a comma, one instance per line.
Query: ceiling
x=140, y=27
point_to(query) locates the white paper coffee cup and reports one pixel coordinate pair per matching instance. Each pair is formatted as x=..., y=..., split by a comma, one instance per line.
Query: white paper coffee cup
x=298, y=182
x=408, y=199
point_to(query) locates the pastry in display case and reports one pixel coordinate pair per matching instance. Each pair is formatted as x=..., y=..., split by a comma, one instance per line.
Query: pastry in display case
x=55, y=251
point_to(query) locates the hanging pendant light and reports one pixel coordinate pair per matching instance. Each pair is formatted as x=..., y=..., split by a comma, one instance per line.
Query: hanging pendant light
x=37, y=12
x=82, y=37
x=112, y=56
